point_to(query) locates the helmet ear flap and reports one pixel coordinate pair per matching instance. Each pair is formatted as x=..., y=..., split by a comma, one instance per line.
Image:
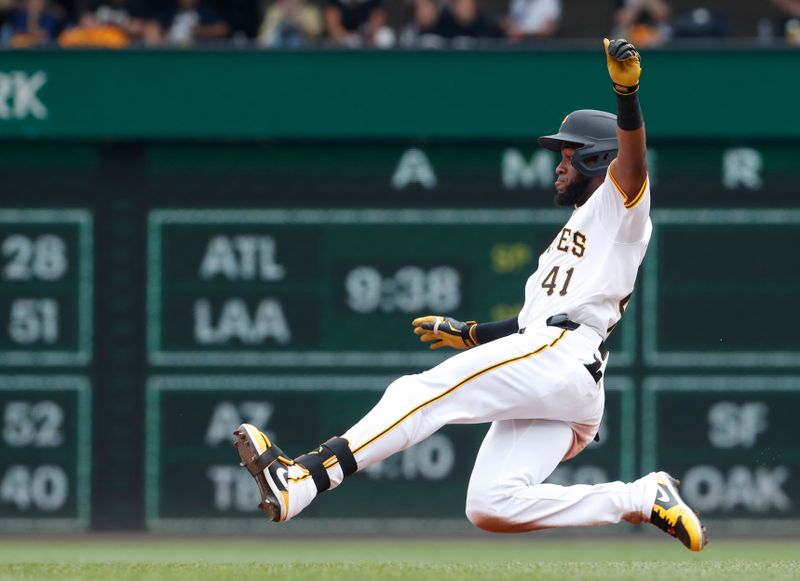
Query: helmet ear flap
x=600, y=160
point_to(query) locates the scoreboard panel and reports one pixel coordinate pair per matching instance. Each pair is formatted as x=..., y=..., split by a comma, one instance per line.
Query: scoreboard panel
x=687, y=174
x=309, y=287
x=245, y=261
x=190, y=421
x=46, y=291
x=731, y=441
x=721, y=288
x=46, y=450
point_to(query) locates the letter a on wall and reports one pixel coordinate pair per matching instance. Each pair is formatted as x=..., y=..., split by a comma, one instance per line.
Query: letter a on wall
x=414, y=167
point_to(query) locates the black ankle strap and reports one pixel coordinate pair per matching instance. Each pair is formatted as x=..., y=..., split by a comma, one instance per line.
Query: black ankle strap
x=340, y=448
x=314, y=462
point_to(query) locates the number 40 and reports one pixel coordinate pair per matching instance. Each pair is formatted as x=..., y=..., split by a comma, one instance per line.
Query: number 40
x=550, y=281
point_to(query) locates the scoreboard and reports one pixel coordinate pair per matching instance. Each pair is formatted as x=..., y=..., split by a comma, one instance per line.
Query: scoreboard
x=735, y=447
x=46, y=292
x=740, y=259
x=300, y=288
x=153, y=297
x=46, y=450
x=190, y=419
x=45, y=322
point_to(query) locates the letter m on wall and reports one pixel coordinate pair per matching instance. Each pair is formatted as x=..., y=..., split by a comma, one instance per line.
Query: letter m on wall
x=519, y=172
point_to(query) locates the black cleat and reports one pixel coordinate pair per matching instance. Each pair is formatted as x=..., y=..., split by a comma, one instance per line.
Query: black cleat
x=268, y=466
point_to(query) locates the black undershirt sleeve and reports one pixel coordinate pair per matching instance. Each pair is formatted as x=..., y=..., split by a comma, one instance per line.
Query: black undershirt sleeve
x=486, y=332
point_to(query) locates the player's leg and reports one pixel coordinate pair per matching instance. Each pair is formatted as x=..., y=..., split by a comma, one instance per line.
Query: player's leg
x=540, y=374
x=506, y=492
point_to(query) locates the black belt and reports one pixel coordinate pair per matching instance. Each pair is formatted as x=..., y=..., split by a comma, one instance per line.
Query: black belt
x=562, y=322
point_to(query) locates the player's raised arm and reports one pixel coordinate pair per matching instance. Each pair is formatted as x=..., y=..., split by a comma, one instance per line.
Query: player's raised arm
x=629, y=170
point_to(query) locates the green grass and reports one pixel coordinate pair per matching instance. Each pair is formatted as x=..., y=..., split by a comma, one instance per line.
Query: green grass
x=443, y=560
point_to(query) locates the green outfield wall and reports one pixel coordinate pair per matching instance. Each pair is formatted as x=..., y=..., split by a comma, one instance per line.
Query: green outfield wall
x=189, y=240
x=235, y=94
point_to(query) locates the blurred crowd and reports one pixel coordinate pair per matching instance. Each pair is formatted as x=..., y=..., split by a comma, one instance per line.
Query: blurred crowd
x=365, y=23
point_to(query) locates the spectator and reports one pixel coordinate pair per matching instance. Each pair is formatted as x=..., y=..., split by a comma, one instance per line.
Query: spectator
x=243, y=16
x=356, y=22
x=195, y=20
x=112, y=24
x=7, y=10
x=700, y=23
x=462, y=21
x=421, y=31
x=790, y=23
x=34, y=23
x=290, y=23
x=643, y=22
x=533, y=18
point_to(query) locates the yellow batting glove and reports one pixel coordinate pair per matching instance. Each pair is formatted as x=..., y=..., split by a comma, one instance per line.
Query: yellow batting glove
x=445, y=332
x=624, y=65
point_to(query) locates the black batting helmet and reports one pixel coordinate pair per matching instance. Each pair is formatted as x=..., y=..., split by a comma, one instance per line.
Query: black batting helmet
x=595, y=132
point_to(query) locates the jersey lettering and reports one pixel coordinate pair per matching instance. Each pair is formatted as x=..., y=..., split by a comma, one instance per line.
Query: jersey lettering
x=579, y=241
x=591, y=287
x=571, y=242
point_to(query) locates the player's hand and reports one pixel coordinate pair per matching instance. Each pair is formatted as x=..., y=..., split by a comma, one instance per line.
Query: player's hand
x=445, y=332
x=624, y=65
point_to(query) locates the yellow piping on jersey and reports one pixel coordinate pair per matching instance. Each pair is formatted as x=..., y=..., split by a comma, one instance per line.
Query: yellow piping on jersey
x=638, y=197
x=629, y=202
x=333, y=460
x=452, y=389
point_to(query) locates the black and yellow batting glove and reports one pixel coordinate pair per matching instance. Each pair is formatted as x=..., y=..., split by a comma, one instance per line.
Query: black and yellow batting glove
x=445, y=332
x=624, y=65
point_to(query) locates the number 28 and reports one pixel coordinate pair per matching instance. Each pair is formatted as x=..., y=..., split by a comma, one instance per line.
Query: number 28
x=551, y=281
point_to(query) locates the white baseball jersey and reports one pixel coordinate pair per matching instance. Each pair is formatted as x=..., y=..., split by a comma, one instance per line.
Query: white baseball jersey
x=589, y=270
x=544, y=405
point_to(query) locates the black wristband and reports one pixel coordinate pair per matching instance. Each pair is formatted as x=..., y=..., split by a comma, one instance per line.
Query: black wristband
x=486, y=332
x=629, y=112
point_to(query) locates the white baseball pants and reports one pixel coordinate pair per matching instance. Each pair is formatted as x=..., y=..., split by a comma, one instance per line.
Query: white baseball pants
x=545, y=407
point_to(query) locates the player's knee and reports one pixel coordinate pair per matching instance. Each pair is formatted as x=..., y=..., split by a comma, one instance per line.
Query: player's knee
x=396, y=392
x=493, y=509
x=490, y=520
x=399, y=388
x=480, y=519
x=484, y=513
x=483, y=499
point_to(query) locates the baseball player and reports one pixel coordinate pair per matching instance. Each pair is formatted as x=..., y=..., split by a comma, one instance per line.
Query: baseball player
x=538, y=378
